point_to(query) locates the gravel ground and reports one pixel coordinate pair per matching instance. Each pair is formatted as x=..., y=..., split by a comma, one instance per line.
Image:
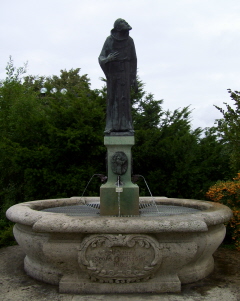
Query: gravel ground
x=222, y=285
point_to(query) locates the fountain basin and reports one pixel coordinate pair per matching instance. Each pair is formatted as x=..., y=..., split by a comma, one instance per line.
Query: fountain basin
x=102, y=254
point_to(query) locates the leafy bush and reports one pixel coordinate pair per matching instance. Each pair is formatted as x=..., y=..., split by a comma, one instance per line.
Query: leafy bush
x=228, y=193
x=6, y=234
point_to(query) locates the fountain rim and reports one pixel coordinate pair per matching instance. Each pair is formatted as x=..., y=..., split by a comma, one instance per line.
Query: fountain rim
x=28, y=214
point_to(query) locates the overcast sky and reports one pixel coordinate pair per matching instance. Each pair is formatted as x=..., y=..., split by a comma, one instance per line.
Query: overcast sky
x=188, y=50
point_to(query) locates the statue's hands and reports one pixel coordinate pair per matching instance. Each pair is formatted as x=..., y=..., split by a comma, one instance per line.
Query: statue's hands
x=134, y=84
x=112, y=56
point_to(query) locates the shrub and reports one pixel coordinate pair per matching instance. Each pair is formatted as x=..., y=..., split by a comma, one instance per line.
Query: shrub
x=6, y=234
x=228, y=193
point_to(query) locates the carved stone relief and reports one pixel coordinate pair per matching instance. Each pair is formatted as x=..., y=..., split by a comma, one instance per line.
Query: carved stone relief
x=119, y=258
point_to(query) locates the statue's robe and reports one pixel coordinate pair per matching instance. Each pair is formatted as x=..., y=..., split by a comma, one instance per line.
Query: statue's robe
x=120, y=74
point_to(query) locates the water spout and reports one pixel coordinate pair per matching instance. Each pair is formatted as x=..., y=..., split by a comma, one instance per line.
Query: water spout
x=135, y=178
x=102, y=177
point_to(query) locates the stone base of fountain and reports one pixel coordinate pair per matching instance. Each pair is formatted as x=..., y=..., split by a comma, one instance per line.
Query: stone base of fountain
x=104, y=254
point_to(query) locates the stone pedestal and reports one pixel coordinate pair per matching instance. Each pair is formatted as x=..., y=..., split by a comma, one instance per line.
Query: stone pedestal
x=119, y=196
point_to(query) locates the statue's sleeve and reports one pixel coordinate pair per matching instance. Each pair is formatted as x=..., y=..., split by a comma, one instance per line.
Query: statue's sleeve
x=103, y=57
x=133, y=62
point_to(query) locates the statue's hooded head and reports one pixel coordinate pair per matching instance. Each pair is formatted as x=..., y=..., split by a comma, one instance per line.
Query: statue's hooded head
x=121, y=25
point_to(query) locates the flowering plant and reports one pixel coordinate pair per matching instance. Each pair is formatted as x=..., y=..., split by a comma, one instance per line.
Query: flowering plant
x=228, y=193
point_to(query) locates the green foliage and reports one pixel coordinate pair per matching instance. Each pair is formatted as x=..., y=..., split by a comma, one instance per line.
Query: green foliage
x=228, y=193
x=229, y=128
x=146, y=111
x=50, y=144
x=14, y=74
x=7, y=196
x=176, y=161
x=6, y=234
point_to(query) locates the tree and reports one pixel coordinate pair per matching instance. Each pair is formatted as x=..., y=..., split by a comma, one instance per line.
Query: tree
x=162, y=152
x=18, y=122
x=229, y=128
x=14, y=104
x=146, y=111
x=178, y=161
x=50, y=145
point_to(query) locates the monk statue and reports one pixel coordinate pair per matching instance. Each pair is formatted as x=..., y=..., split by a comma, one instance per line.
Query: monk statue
x=119, y=63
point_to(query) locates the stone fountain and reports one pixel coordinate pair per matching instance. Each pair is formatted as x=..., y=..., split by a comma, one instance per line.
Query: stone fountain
x=120, y=242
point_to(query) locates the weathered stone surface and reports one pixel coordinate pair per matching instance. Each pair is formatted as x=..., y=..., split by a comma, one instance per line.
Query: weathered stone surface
x=112, y=254
x=223, y=284
x=120, y=258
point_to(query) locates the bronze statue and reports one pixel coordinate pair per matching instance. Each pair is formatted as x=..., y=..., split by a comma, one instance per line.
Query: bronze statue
x=119, y=63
